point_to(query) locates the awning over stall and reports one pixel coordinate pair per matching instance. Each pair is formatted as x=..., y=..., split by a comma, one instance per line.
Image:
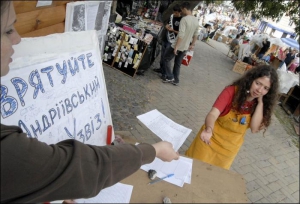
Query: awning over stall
x=291, y=42
x=280, y=29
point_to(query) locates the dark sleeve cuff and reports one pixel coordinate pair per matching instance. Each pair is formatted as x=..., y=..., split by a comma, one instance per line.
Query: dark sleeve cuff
x=148, y=153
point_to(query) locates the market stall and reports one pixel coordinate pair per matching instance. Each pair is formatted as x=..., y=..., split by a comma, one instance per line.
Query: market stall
x=131, y=45
x=289, y=91
x=291, y=42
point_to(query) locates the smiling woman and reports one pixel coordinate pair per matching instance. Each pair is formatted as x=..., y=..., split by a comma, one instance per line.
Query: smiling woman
x=247, y=103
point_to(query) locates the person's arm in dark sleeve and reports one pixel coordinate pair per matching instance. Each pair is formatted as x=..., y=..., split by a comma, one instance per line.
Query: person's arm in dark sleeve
x=32, y=171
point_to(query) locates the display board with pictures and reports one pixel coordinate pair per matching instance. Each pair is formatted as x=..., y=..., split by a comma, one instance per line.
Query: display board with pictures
x=123, y=51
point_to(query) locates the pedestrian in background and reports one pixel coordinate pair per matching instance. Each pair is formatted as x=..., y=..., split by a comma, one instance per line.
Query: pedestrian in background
x=234, y=42
x=245, y=51
x=265, y=47
x=170, y=35
x=282, y=55
x=290, y=57
x=294, y=63
x=188, y=31
x=205, y=31
x=247, y=103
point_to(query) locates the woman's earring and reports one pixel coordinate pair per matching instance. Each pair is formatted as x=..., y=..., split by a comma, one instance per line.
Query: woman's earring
x=248, y=91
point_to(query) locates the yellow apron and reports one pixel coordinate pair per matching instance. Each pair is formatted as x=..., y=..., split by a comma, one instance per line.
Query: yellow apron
x=227, y=138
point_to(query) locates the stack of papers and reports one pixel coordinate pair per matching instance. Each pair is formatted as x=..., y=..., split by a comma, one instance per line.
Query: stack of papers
x=118, y=193
x=176, y=134
x=181, y=168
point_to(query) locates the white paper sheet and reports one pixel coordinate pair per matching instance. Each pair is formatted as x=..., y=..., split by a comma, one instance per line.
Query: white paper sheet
x=92, y=10
x=89, y=15
x=118, y=193
x=165, y=128
x=182, y=170
x=188, y=179
x=43, y=3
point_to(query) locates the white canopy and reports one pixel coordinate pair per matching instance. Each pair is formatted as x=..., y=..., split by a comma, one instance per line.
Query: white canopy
x=227, y=30
x=278, y=42
x=214, y=16
x=258, y=39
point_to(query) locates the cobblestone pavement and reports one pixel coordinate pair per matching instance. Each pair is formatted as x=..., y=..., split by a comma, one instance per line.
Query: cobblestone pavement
x=269, y=163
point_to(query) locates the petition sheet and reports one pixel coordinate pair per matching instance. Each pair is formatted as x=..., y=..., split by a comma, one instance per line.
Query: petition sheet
x=182, y=170
x=165, y=128
x=118, y=193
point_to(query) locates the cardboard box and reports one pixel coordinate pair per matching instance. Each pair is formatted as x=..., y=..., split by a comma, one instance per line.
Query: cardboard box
x=275, y=63
x=224, y=39
x=239, y=67
x=217, y=35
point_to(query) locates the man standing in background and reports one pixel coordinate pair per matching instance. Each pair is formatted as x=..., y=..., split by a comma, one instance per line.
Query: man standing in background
x=188, y=31
x=169, y=37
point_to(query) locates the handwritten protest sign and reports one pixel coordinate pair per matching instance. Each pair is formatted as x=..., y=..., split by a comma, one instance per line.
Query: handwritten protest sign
x=59, y=93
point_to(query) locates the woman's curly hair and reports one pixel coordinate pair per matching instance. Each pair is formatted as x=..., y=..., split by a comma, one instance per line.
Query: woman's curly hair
x=244, y=84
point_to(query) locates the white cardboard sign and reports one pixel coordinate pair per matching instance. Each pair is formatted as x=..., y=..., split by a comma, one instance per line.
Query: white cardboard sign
x=57, y=93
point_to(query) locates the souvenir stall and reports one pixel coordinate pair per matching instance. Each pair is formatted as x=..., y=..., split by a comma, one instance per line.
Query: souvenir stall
x=289, y=92
x=131, y=44
x=289, y=85
x=276, y=44
x=124, y=50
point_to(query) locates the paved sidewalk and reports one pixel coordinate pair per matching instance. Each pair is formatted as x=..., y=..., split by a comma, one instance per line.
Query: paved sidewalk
x=269, y=164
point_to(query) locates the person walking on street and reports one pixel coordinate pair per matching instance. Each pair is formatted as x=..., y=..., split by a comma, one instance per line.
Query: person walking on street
x=172, y=30
x=188, y=31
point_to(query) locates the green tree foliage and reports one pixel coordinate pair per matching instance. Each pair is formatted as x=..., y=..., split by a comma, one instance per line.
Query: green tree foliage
x=293, y=7
x=273, y=9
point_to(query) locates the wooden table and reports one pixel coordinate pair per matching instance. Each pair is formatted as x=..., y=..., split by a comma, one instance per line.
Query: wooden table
x=210, y=184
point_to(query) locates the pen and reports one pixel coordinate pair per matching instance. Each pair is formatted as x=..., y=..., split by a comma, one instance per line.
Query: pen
x=158, y=180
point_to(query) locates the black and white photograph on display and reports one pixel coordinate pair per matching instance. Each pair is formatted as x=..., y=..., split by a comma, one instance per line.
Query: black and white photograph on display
x=99, y=18
x=78, y=23
x=89, y=15
x=102, y=22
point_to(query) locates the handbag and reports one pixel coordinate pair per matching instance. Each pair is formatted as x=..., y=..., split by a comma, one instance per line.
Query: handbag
x=187, y=58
